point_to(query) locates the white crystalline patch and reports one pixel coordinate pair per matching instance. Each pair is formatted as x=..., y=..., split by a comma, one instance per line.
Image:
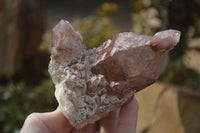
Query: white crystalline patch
x=62, y=22
x=156, y=34
x=177, y=34
x=103, y=57
x=108, y=43
x=138, y=39
x=177, y=37
x=112, y=84
x=147, y=42
x=104, y=44
x=143, y=42
x=65, y=105
x=113, y=51
x=73, y=77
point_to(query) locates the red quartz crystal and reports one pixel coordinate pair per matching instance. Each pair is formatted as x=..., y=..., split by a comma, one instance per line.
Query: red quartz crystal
x=91, y=83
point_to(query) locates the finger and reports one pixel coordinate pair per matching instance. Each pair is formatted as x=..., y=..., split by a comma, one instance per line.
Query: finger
x=34, y=125
x=128, y=118
x=90, y=128
x=109, y=123
x=59, y=122
x=46, y=122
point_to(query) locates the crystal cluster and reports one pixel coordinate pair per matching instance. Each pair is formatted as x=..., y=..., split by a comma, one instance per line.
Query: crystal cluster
x=91, y=83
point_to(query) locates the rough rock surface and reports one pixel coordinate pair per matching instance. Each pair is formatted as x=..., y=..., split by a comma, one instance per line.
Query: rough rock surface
x=91, y=83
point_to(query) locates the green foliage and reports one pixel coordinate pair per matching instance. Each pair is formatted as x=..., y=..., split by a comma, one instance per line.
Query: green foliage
x=145, y=18
x=137, y=5
x=178, y=73
x=95, y=30
x=18, y=100
x=107, y=9
x=45, y=45
x=173, y=69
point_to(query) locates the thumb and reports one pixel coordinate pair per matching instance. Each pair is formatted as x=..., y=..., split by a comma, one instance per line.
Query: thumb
x=51, y=122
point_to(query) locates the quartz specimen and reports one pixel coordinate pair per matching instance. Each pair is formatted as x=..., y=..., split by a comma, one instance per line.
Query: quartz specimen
x=91, y=83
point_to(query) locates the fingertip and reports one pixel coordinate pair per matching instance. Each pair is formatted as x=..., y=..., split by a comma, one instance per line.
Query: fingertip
x=55, y=121
x=131, y=106
x=32, y=124
x=135, y=103
x=90, y=128
x=108, y=124
x=128, y=117
x=61, y=120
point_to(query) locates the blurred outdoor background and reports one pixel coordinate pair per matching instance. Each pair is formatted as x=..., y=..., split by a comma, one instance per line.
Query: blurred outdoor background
x=171, y=105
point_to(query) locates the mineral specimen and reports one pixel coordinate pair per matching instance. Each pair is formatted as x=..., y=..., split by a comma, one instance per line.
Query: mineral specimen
x=91, y=83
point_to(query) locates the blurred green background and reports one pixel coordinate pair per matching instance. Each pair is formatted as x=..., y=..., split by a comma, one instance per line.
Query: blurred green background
x=25, y=40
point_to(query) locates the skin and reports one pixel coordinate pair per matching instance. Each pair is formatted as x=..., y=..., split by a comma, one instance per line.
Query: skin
x=123, y=120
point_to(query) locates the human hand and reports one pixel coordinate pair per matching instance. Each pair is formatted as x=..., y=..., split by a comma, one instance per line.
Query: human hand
x=123, y=120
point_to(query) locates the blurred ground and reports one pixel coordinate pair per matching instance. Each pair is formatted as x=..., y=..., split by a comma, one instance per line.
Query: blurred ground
x=158, y=110
x=168, y=109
